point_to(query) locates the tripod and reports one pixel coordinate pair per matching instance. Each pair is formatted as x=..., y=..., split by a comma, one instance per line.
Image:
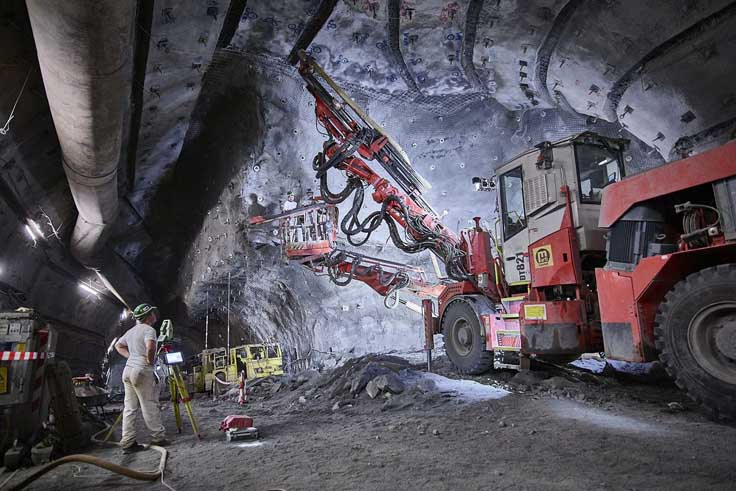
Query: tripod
x=178, y=391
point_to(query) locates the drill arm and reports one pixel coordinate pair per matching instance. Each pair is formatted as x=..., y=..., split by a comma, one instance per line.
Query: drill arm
x=350, y=130
x=385, y=277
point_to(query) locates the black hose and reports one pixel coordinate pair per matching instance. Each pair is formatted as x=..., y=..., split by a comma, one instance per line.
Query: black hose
x=333, y=262
x=418, y=236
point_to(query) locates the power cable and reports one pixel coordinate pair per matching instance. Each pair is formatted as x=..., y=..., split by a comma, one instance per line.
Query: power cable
x=4, y=130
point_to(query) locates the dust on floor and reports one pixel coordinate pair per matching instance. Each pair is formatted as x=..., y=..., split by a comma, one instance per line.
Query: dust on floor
x=555, y=429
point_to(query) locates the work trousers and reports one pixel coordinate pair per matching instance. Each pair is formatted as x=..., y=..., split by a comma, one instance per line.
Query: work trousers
x=140, y=393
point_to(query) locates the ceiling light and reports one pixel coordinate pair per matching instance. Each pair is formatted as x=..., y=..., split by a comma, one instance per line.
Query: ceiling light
x=484, y=183
x=30, y=233
x=36, y=228
x=88, y=289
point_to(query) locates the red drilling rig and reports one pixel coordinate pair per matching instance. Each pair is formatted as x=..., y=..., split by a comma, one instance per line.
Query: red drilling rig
x=643, y=268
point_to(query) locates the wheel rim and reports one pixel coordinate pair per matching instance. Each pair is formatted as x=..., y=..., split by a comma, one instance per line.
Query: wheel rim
x=712, y=340
x=462, y=336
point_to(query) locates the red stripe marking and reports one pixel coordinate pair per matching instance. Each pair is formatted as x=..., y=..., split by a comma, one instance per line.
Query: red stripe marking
x=22, y=355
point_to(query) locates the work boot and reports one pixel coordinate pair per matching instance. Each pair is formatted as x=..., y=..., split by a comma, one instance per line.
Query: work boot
x=132, y=448
x=161, y=443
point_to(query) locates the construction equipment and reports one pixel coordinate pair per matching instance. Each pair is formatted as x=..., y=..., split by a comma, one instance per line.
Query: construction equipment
x=26, y=343
x=584, y=261
x=90, y=394
x=256, y=360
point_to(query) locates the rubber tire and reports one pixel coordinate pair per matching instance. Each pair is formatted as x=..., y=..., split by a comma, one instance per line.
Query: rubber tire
x=672, y=322
x=479, y=360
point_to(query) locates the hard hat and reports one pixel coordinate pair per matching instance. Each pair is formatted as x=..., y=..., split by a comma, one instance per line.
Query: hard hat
x=143, y=310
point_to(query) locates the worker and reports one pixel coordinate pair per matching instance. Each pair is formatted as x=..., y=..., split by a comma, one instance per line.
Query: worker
x=307, y=220
x=290, y=202
x=138, y=345
x=308, y=198
x=292, y=230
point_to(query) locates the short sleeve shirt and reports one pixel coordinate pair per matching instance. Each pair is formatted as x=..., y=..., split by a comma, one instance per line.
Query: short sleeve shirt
x=135, y=339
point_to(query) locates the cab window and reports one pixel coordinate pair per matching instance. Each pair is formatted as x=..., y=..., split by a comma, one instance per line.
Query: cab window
x=598, y=166
x=512, y=203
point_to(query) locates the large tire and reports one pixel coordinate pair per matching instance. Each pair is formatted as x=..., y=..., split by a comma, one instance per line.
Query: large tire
x=695, y=333
x=465, y=343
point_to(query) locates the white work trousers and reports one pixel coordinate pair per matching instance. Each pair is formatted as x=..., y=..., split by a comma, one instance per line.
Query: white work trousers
x=140, y=393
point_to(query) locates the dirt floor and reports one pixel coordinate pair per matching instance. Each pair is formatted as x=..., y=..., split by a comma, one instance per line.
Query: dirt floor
x=561, y=429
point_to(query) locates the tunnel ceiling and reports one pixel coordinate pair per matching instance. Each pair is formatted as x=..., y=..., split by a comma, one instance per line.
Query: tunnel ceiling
x=220, y=127
x=654, y=67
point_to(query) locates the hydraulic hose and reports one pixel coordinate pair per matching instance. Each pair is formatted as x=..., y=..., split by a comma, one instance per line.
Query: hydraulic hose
x=417, y=237
x=335, y=258
x=104, y=464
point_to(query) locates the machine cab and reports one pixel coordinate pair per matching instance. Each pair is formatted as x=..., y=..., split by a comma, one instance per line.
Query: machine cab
x=532, y=205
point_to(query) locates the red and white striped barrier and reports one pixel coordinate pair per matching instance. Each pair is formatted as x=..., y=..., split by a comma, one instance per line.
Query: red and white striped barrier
x=38, y=377
x=24, y=355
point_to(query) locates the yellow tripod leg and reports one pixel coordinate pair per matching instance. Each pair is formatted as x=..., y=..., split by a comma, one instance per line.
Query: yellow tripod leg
x=175, y=401
x=187, y=401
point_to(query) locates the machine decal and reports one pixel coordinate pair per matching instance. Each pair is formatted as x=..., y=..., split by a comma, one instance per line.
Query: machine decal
x=535, y=312
x=520, y=266
x=543, y=257
x=3, y=380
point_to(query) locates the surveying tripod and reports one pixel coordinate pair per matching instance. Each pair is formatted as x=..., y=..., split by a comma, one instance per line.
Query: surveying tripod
x=177, y=387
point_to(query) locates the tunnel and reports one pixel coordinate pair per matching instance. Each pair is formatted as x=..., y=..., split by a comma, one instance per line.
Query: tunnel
x=336, y=178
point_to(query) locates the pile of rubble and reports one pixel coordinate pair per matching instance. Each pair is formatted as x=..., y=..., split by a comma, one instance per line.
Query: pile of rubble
x=385, y=379
x=385, y=382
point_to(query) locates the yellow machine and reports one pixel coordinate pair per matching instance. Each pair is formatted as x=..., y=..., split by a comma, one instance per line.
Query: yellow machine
x=257, y=360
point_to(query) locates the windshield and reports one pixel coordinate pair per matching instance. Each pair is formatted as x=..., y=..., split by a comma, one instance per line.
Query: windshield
x=512, y=203
x=598, y=167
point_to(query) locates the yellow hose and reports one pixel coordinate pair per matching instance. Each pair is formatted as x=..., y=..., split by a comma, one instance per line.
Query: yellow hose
x=89, y=459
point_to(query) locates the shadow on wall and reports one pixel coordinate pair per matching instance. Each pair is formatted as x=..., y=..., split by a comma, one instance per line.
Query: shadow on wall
x=204, y=169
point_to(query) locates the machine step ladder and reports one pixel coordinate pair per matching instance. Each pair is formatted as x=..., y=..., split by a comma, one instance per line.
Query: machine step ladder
x=506, y=332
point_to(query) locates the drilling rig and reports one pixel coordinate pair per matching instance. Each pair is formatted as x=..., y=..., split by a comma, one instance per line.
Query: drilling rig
x=580, y=259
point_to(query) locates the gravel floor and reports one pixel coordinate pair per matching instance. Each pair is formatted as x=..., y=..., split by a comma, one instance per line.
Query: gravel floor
x=564, y=429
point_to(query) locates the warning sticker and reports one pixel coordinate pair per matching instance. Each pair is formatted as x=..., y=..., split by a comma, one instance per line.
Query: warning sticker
x=543, y=256
x=535, y=312
x=3, y=380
